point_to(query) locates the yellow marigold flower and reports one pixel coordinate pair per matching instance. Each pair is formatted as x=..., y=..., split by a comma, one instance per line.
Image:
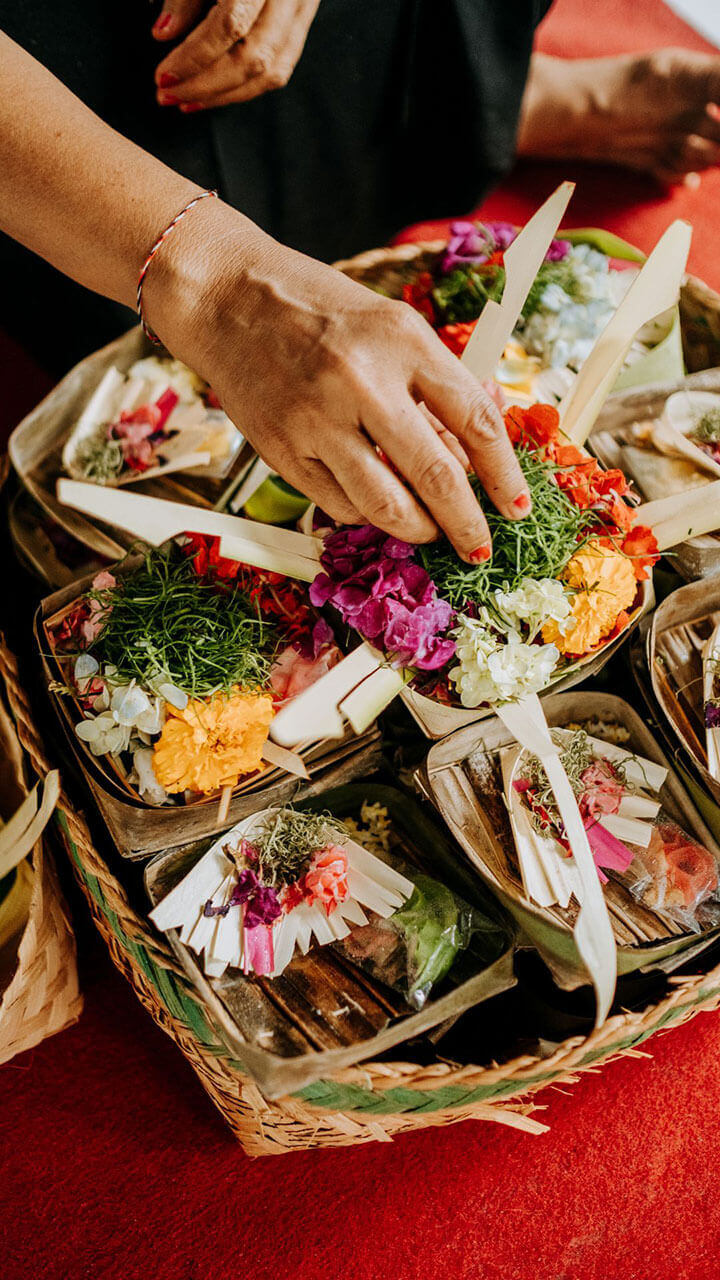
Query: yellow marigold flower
x=605, y=583
x=212, y=742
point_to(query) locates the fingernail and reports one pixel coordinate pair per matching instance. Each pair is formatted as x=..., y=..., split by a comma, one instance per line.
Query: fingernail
x=522, y=502
x=167, y=80
x=713, y=110
x=162, y=23
x=481, y=554
x=191, y=106
x=167, y=100
x=692, y=181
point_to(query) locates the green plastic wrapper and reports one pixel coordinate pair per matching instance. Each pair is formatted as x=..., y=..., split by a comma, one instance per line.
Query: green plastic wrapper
x=416, y=948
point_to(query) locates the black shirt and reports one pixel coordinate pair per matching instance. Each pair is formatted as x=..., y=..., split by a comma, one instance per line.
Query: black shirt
x=398, y=110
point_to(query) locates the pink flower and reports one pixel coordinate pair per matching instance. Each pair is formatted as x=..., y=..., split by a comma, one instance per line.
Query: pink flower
x=292, y=671
x=603, y=791
x=326, y=881
x=381, y=592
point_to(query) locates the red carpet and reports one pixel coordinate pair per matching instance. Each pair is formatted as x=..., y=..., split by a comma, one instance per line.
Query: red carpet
x=115, y=1165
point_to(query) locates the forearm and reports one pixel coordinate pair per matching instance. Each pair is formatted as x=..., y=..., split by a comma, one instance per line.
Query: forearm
x=71, y=188
x=564, y=99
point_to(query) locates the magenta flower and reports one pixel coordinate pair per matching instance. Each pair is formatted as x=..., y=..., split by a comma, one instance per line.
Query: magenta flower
x=472, y=243
x=379, y=590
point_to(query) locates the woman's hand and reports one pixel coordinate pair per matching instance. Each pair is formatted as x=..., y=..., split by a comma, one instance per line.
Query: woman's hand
x=241, y=49
x=318, y=372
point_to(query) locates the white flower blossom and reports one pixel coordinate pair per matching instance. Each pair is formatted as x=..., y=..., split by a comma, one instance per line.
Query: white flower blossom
x=125, y=712
x=535, y=602
x=143, y=774
x=496, y=668
x=563, y=329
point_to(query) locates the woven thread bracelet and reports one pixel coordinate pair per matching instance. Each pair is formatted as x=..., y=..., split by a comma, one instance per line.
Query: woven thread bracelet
x=144, y=269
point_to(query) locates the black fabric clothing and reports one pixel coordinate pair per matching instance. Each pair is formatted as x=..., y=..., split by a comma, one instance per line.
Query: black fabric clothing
x=398, y=110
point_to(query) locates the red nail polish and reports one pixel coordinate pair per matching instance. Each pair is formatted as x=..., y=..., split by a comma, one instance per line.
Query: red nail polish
x=162, y=23
x=167, y=80
x=167, y=100
x=191, y=106
x=522, y=502
x=481, y=554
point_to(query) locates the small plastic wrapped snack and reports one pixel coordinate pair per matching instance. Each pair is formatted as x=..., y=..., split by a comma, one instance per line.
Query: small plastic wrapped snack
x=415, y=948
x=677, y=876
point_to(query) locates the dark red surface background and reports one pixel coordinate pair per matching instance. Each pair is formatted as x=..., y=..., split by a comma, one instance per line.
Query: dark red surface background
x=114, y=1164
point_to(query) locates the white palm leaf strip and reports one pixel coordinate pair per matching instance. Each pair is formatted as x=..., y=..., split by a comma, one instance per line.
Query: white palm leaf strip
x=523, y=259
x=593, y=932
x=548, y=876
x=655, y=289
x=23, y=830
x=263, y=546
x=316, y=709
x=680, y=516
x=711, y=659
x=371, y=884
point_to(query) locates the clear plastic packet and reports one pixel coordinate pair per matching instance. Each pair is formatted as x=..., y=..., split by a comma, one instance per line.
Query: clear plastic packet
x=676, y=876
x=414, y=949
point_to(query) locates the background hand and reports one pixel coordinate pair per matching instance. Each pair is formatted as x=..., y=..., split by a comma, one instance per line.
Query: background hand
x=240, y=50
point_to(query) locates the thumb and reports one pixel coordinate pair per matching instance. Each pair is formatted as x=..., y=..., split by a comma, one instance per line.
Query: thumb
x=176, y=17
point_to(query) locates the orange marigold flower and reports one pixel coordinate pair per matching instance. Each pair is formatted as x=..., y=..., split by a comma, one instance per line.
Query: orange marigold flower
x=538, y=424
x=212, y=742
x=604, y=584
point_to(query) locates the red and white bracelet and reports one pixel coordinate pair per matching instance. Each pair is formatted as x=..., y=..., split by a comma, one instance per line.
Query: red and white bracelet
x=144, y=269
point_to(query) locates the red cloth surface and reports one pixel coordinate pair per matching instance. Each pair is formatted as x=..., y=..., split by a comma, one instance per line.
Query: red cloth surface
x=113, y=1163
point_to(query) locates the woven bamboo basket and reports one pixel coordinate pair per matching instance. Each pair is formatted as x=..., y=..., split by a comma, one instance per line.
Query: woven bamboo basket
x=372, y=1102
x=42, y=994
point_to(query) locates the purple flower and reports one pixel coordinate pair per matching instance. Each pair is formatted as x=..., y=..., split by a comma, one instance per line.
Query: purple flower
x=413, y=638
x=247, y=885
x=263, y=907
x=558, y=250
x=712, y=715
x=472, y=243
x=380, y=590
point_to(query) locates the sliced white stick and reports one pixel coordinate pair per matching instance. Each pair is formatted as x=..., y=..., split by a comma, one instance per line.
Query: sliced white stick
x=682, y=515
x=281, y=758
x=320, y=925
x=364, y=704
x=522, y=260
x=338, y=925
x=632, y=806
x=284, y=938
x=593, y=932
x=711, y=669
x=202, y=933
x=377, y=870
x=200, y=884
x=156, y=520
x=303, y=926
x=351, y=910
x=655, y=289
x=102, y=405
x=315, y=710
x=639, y=771
x=135, y=392
x=185, y=462
x=227, y=941
x=539, y=858
x=629, y=830
x=369, y=894
x=256, y=474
